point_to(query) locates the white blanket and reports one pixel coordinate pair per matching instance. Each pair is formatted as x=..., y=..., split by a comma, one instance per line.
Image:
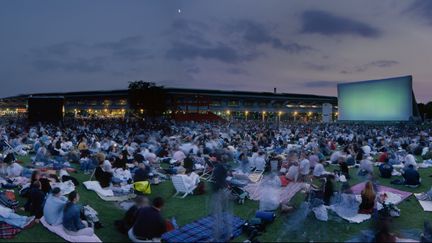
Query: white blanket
x=391, y=198
x=95, y=186
x=358, y=218
x=107, y=194
x=426, y=205
x=65, y=187
x=58, y=230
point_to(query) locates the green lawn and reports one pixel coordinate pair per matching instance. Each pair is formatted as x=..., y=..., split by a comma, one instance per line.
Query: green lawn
x=195, y=207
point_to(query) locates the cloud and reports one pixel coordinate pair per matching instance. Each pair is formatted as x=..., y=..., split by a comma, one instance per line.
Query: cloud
x=324, y=23
x=384, y=63
x=193, y=70
x=421, y=8
x=317, y=67
x=132, y=54
x=320, y=84
x=61, y=49
x=123, y=43
x=190, y=30
x=377, y=64
x=237, y=71
x=75, y=65
x=221, y=52
x=256, y=33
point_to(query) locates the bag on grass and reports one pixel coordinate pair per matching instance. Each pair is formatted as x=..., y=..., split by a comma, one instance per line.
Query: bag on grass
x=142, y=187
x=5, y=199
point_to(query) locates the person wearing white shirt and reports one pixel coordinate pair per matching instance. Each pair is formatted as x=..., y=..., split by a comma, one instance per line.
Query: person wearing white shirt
x=191, y=180
x=293, y=172
x=260, y=162
x=304, y=167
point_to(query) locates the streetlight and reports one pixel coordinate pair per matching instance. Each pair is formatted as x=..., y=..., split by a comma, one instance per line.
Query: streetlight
x=263, y=115
x=279, y=116
x=246, y=114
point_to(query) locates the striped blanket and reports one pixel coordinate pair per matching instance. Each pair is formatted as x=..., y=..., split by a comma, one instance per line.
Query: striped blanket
x=202, y=230
x=8, y=231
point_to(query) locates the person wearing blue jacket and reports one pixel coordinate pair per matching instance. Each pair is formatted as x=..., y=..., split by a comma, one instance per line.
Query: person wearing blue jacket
x=72, y=223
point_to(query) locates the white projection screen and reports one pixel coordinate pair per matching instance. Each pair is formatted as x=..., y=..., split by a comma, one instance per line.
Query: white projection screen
x=376, y=100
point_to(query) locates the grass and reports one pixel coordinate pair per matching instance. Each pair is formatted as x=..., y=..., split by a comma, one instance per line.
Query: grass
x=194, y=207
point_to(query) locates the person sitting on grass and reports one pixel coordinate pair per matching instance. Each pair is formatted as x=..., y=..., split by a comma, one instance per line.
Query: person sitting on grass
x=149, y=223
x=125, y=224
x=142, y=173
x=191, y=179
x=368, y=199
x=54, y=207
x=36, y=201
x=411, y=176
x=72, y=223
x=103, y=172
x=386, y=169
x=8, y=216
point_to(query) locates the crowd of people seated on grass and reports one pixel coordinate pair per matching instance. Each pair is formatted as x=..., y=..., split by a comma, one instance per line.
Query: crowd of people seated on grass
x=119, y=153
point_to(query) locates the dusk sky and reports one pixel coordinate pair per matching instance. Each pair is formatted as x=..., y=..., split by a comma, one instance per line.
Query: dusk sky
x=296, y=46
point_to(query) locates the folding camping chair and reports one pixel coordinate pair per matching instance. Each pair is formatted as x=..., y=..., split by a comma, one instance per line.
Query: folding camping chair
x=180, y=186
x=208, y=170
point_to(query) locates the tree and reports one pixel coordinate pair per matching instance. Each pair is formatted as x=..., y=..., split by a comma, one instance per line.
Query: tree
x=428, y=110
x=146, y=98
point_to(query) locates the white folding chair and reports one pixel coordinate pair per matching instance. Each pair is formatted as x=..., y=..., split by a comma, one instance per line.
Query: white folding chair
x=180, y=186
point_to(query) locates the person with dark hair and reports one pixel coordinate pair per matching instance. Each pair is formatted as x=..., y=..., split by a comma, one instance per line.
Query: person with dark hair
x=328, y=190
x=385, y=169
x=130, y=216
x=220, y=173
x=411, y=176
x=45, y=183
x=54, y=207
x=121, y=161
x=36, y=200
x=149, y=222
x=72, y=223
x=142, y=173
x=103, y=172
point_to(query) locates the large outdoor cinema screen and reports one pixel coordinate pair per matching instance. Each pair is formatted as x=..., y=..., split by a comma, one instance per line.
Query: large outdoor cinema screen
x=376, y=100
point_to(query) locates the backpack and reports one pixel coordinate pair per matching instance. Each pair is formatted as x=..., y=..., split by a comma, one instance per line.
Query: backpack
x=142, y=187
x=8, y=200
x=200, y=189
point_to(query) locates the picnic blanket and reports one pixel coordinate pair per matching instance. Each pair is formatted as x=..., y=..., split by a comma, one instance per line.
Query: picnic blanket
x=426, y=205
x=65, y=187
x=106, y=194
x=394, y=196
x=202, y=230
x=8, y=231
x=403, y=194
x=286, y=193
x=58, y=230
x=356, y=219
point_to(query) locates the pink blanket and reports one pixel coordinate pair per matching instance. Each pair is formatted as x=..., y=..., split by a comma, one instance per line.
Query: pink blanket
x=58, y=230
x=359, y=187
x=286, y=193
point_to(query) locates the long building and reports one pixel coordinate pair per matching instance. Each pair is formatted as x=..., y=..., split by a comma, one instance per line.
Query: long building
x=183, y=102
